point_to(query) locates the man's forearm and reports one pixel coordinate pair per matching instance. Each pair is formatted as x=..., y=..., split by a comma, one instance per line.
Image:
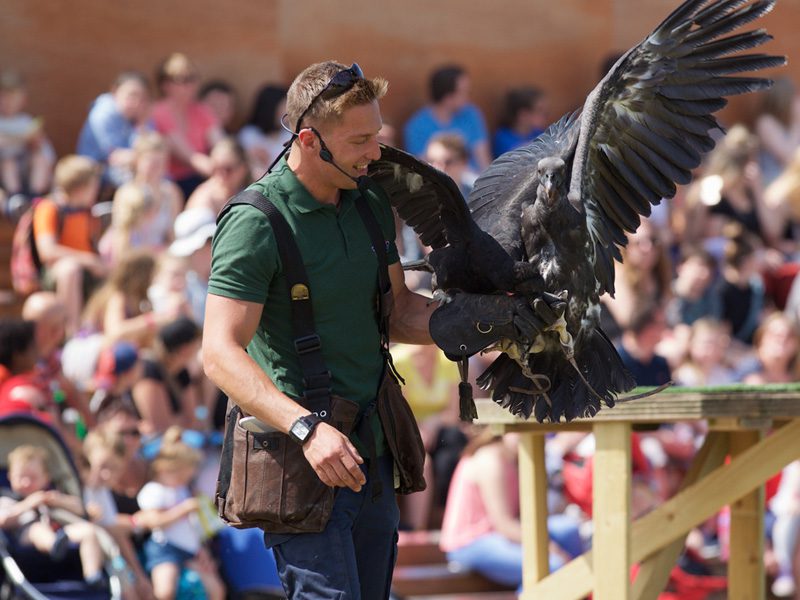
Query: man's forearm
x=410, y=317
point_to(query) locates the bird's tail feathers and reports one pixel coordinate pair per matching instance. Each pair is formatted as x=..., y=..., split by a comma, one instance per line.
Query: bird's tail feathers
x=563, y=395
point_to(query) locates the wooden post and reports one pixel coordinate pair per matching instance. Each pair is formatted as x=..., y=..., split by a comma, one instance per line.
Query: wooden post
x=533, y=509
x=746, y=565
x=611, y=508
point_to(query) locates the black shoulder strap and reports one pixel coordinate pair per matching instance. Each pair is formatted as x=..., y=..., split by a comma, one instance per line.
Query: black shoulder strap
x=316, y=377
x=385, y=297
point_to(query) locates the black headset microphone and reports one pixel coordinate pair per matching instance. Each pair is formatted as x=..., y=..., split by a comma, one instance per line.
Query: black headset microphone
x=326, y=155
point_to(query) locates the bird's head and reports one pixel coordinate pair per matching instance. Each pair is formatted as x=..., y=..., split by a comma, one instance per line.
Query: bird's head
x=551, y=174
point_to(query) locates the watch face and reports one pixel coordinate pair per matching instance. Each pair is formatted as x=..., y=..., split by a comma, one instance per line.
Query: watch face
x=300, y=430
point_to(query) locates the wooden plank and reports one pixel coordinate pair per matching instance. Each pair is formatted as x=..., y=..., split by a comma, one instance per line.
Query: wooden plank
x=677, y=516
x=654, y=570
x=611, y=509
x=533, y=509
x=746, y=563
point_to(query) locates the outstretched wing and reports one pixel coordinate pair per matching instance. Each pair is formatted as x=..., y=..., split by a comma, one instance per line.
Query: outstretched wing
x=646, y=124
x=428, y=200
x=510, y=181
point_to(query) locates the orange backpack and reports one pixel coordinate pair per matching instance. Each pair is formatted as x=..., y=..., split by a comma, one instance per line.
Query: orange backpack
x=26, y=266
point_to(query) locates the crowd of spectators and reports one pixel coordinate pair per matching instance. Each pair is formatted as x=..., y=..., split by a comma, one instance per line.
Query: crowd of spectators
x=107, y=352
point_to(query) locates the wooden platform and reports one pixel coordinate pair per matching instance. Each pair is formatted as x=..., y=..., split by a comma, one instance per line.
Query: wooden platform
x=759, y=426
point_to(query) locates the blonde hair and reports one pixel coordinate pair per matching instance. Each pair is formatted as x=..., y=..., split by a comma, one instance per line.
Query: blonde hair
x=308, y=84
x=103, y=439
x=131, y=203
x=176, y=64
x=22, y=455
x=131, y=277
x=149, y=141
x=73, y=172
x=732, y=154
x=175, y=453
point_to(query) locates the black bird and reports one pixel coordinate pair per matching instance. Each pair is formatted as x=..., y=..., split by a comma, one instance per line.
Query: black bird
x=563, y=203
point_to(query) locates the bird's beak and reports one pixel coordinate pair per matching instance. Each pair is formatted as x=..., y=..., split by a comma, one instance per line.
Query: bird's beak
x=550, y=188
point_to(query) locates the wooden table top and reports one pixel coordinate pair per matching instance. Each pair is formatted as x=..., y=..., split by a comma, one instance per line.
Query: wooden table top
x=748, y=405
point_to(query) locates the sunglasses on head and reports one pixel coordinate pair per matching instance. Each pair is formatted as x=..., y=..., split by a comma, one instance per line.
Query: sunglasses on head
x=338, y=85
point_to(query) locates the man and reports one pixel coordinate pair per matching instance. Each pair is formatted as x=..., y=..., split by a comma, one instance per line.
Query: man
x=450, y=111
x=353, y=557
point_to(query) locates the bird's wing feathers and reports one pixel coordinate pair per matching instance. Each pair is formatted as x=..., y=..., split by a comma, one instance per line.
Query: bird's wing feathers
x=646, y=124
x=497, y=197
x=425, y=198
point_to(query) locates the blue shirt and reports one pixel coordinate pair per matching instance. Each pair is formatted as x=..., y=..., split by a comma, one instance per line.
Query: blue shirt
x=656, y=372
x=506, y=139
x=422, y=126
x=105, y=130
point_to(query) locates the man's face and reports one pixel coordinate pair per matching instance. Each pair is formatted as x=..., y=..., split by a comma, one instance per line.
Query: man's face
x=132, y=99
x=460, y=96
x=353, y=143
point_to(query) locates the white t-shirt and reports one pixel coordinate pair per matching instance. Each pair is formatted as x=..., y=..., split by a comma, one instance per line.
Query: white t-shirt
x=103, y=499
x=183, y=533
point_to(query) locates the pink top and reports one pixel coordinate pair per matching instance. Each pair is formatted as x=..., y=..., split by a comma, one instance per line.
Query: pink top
x=465, y=517
x=199, y=121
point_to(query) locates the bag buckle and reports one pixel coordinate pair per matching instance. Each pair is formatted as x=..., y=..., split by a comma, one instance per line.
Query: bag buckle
x=307, y=343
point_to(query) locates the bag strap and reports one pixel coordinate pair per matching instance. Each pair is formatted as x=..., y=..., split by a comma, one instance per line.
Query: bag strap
x=316, y=376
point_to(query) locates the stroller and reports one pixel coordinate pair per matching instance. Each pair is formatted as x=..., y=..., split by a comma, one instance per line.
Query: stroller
x=29, y=574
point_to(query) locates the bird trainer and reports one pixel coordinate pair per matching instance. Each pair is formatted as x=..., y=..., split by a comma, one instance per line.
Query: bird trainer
x=306, y=291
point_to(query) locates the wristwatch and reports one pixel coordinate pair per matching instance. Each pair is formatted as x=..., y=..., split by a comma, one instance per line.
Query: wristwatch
x=302, y=429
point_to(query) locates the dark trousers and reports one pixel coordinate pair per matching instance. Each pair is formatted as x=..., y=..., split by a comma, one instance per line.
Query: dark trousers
x=353, y=558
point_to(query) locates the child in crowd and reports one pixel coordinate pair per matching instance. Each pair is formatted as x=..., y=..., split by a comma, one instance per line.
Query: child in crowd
x=26, y=156
x=26, y=513
x=705, y=364
x=694, y=295
x=175, y=541
x=105, y=456
x=63, y=230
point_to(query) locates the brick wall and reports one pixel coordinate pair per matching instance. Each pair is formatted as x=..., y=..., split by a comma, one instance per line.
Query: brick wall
x=70, y=51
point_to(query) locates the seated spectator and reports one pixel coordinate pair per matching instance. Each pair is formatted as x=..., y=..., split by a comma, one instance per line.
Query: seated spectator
x=190, y=127
x=21, y=388
x=644, y=276
x=782, y=199
x=118, y=417
x=481, y=529
x=165, y=396
x=525, y=116
x=229, y=176
x=115, y=119
x=449, y=111
x=730, y=191
x=448, y=153
x=776, y=342
x=120, y=310
x=115, y=372
x=705, y=364
x=694, y=295
x=637, y=346
x=49, y=315
x=151, y=157
x=25, y=514
x=132, y=215
x=263, y=137
x=741, y=287
x=63, y=230
x=26, y=155
x=175, y=541
x=778, y=127
x=220, y=97
x=194, y=229
x=104, y=454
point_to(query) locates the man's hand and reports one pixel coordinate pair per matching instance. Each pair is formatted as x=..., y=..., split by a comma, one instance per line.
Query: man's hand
x=334, y=459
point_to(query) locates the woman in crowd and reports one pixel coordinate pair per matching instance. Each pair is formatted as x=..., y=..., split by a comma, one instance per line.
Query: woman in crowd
x=190, y=127
x=229, y=175
x=776, y=342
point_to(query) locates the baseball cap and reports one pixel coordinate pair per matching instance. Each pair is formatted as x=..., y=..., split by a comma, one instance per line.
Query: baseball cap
x=193, y=228
x=113, y=362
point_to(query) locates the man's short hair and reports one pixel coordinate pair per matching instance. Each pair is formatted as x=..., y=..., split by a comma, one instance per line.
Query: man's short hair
x=308, y=84
x=643, y=316
x=444, y=81
x=73, y=172
x=452, y=142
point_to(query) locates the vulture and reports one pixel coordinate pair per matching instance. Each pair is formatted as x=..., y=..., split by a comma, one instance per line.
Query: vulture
x=553, y=215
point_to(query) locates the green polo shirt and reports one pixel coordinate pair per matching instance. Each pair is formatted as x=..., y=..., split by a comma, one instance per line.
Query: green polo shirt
x=343, y=280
